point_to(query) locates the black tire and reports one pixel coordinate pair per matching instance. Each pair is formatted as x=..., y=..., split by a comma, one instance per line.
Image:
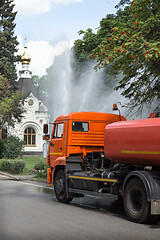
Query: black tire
x=60, y=187
x=120, y=199
x=135, y=201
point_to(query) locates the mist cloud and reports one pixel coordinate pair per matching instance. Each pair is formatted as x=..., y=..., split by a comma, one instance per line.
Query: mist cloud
x=42, y=54
x=37, y=7
x=68, y=94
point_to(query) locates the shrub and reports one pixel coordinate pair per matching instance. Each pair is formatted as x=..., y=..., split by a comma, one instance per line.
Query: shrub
x=12, y=147
x=40, y=167
x=17, y=166
x=13, y=166
x=6, y=165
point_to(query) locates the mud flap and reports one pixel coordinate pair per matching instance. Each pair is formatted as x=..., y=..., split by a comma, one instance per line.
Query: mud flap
x=155, y=207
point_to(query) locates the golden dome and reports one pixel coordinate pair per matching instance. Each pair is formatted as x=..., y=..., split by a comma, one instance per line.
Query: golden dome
x=25, y=57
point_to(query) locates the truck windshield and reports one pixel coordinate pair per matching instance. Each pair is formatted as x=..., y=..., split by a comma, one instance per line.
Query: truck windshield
x=58, y=130
x=80, y=126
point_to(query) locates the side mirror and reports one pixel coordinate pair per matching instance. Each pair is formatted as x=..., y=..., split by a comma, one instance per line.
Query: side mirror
x=45, y=129
x=46, y=137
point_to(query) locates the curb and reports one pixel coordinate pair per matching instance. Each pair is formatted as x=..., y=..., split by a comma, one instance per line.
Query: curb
x=9, y=175
x=35, y=180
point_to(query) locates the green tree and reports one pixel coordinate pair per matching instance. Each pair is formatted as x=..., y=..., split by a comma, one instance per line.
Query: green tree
x=10, y=104
x=8, y=42
x=83, y=47
x=12, y=147
x=89, y=41
x=122, y=3
x=134, y=49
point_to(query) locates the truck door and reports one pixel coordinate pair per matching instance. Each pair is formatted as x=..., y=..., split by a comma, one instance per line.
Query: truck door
x=56, y=141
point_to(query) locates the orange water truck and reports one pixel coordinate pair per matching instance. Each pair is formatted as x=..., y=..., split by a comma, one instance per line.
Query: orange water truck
x=101, y=154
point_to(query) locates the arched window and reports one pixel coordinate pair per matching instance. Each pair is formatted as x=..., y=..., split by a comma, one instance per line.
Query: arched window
x=30, y=137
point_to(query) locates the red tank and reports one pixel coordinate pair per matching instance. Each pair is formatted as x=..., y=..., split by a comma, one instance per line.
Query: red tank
x=135, y=142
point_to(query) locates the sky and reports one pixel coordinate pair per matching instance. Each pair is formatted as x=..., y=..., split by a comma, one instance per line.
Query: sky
x=51, y=26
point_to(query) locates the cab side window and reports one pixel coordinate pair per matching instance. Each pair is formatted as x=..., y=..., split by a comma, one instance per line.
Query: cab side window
x=80, y=126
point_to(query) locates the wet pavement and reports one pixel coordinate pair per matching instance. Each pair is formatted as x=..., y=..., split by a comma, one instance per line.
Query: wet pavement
x=29, y=210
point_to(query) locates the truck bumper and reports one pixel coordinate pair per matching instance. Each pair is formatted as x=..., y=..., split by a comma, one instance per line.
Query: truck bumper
x=155, y=207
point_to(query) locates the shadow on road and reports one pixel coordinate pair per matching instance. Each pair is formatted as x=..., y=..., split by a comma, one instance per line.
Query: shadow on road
x=109, y=206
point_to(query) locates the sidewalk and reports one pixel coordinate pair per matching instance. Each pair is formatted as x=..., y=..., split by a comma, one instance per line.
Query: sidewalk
x=23, y=177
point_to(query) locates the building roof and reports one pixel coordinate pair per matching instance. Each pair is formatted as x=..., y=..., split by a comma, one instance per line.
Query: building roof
x=26, y=87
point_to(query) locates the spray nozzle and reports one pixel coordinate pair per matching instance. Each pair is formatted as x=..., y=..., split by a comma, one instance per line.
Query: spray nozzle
x=115, y=108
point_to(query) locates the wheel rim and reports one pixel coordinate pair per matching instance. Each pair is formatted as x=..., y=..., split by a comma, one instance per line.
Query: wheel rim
x=135, y=201
x=60, y=186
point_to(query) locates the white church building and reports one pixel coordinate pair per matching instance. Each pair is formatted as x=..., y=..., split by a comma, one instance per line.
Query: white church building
x=30, y=129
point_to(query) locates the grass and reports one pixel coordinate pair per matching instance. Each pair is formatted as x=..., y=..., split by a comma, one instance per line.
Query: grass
x=31, y=162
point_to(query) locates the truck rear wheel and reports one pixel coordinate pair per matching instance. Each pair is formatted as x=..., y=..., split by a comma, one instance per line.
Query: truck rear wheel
x=135, y=201
x=60, y=187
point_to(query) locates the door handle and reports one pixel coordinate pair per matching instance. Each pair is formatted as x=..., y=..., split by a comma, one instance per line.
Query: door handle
x=60, y=148
x=51, y=144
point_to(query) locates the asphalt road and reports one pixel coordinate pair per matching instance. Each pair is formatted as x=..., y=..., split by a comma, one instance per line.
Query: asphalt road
x=31, y=211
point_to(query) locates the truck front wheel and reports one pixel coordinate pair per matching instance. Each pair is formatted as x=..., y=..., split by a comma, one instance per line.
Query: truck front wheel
x=135, y=201
x=60, y=187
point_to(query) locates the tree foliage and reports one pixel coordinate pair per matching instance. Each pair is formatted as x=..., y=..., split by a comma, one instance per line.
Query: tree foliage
x=10, y=107
x=10, y=104
x=12, y=147
x=89, y=41
x=83, y=47
x=8, y=42
x=134, y=49
x=122, y=3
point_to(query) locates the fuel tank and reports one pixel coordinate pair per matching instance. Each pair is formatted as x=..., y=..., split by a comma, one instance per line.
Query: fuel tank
x=135, y=142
